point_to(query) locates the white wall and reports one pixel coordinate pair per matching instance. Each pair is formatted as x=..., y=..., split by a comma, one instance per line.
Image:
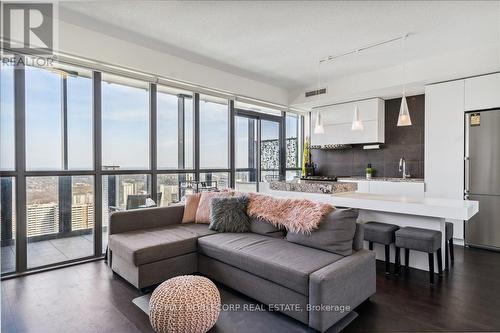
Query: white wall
x=82, y=42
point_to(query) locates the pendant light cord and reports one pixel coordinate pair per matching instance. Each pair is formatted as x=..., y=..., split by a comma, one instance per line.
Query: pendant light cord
x=404, y=64
x=319, y=77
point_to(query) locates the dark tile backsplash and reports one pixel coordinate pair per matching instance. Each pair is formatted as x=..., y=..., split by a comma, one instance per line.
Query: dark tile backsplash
x=407, y=142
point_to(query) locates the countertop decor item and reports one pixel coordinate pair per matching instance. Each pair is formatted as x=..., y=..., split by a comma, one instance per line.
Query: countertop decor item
x=369, y=171
x=305, y=156
x=307, y=166
x=184, y=304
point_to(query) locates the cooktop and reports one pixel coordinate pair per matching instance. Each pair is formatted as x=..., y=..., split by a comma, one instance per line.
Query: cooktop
x=320, y=178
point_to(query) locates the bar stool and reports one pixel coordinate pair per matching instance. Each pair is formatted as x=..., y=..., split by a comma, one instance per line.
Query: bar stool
x=449, y=244
x=381, y=233
x=423, y=240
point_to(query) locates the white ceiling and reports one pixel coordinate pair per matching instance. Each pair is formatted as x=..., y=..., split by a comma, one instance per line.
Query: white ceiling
x=280, y=42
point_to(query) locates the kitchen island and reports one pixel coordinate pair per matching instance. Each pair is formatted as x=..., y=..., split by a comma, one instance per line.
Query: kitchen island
x=422, y=212
x=308, y=186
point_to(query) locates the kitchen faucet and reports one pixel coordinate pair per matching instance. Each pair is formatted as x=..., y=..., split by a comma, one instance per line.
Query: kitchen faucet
x=402, y=168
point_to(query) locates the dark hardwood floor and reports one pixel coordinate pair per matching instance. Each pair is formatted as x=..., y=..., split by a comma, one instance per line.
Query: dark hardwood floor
x=89, y=298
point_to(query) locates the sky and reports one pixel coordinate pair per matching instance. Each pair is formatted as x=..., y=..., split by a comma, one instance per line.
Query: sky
x=125, y=126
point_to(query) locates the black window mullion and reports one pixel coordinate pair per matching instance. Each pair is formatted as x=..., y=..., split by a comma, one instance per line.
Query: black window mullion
x=282, y=146
x=20, y=147
x=302, y=139
x=252, y=150
x=97, y=111
x=232, y=145
x=153, y=140
x=64, y=115
x=196, y=109
x=258, y=164
x=64, y=182
x=181, y=119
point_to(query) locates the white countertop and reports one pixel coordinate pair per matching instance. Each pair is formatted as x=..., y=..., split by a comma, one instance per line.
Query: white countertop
x=420, y=206
x=380, y=179
x=432, y=207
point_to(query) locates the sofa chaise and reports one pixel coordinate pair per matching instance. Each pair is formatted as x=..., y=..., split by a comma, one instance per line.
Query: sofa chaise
x=317, y=287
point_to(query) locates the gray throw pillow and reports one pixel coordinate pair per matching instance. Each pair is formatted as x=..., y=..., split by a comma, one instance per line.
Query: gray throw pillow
x=334, y=234
x=229, y=214
x=263, y=227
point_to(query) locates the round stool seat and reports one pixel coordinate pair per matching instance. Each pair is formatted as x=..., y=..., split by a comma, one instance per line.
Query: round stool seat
x=377, y=232
x=419, y=239
x=184, y=304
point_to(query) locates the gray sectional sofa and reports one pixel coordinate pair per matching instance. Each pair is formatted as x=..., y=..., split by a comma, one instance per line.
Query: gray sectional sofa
x=317, y=287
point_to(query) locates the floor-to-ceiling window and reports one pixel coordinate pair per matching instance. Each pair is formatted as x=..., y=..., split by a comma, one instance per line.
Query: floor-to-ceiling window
x=59, y=207
x=7, y=164
x=175, y=145
x=269, y=145
x=246, y=153
x=77, y=145
x=214, y=142
x=125, y=119
x=57, y=191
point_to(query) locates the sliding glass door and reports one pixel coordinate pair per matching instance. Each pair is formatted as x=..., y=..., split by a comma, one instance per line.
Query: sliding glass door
x=259, y=149
x=246, y=153
x=270, y=150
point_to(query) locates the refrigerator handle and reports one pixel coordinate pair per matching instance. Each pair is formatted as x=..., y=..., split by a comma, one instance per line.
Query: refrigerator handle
x=467, y=178
x=466, y=157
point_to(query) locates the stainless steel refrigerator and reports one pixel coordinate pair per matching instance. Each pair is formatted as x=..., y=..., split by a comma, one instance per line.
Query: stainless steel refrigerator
x=482, y=178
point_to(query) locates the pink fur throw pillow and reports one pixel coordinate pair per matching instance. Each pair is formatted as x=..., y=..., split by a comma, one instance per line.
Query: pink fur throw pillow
x=296, y=215
x=190, y=207
x=203, y=211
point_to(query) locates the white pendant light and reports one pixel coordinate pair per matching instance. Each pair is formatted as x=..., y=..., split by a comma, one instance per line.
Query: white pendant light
x=404, y=118
x=357, y=124
x=318, y=125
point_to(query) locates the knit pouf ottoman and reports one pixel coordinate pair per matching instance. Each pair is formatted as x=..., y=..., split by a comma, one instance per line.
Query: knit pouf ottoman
x=184, y=304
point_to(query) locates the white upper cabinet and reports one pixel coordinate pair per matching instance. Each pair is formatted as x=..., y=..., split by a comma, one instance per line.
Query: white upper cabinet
x=337, y=122
x=482, y=92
